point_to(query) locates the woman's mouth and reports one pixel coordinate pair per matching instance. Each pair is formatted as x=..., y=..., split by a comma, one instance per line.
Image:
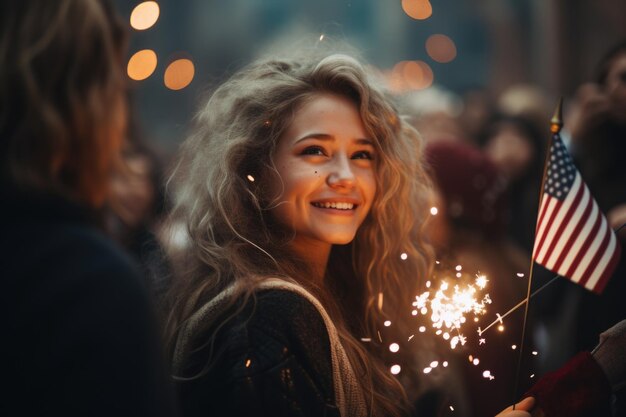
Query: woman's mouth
x=334, y=205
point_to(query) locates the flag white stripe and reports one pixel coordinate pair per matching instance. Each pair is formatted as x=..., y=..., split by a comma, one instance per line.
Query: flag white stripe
x=580, y=240
x=542, y=228
x=586, y=260
x=558, y=220
x=571, y=225
x=603, y=263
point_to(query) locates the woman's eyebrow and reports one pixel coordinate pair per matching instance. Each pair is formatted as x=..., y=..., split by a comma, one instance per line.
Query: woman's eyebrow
x=327, y=137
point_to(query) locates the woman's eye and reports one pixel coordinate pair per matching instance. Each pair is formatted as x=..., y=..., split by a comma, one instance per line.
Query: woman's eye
x=363, y=155
x=313, y=150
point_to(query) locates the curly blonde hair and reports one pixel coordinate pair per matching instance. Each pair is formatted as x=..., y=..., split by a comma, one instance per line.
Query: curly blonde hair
x=234, y=240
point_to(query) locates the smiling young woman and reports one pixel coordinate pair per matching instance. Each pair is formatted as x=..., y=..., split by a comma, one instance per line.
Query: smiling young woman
x=301, y=187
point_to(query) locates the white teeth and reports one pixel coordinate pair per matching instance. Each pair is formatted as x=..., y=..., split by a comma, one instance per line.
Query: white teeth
x=334, y=205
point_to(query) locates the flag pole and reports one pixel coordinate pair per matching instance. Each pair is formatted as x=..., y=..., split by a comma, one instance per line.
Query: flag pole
x=556, y=123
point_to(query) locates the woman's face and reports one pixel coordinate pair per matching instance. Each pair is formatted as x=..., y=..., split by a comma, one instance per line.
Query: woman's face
x=326, y=162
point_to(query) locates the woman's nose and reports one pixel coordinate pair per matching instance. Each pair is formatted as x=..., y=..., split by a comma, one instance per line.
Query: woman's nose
x=341, y=174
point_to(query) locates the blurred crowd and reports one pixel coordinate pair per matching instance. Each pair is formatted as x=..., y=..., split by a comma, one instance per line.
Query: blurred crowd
x=485, y=154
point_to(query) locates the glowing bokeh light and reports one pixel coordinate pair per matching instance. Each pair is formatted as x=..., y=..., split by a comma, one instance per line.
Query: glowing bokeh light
x=417, y=9
x=395, y=369
x=404, y=256
x=395, y=78
x=394, y=347
x=428, y=74
x=387, y=323
x=142, y=64
x=179, y=74
x=441, y=48
x=434, y=211
x=144, y=15
x=410, y=75
x=413, y=75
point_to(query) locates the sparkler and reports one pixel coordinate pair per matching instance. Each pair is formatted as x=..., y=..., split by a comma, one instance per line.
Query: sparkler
x=449, y=305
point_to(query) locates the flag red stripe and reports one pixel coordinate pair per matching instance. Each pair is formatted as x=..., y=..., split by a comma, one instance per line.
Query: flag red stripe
x=546, y=231
x=591, y=236
x=577, y=229
x=608, y=272
x=565, y=221
x=596, y=258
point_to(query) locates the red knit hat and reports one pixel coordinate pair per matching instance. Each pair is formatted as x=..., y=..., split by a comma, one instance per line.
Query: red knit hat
x=473, y=189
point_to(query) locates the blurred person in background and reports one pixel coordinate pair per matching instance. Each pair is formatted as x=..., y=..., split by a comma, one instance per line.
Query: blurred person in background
x=79, y=334
x=135, y=208
x=517, y=148
x=598, y=130
x=477, y=110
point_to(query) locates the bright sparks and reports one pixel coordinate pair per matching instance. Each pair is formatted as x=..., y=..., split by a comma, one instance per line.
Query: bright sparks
x=434, y=211
x=404, y=256
x=487, y=375
x=250, y=178
x=394, y=347
x=447, y=307
x=395, y=369
x=481, y=281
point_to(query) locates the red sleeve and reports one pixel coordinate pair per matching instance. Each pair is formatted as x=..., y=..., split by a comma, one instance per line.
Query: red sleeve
x=578, y=388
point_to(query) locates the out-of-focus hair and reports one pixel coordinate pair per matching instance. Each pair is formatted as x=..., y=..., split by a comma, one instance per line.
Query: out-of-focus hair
x=62, y=111
x=607, y=60
x=234, y=240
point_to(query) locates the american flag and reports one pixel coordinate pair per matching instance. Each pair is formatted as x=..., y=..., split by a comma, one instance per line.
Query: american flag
x=573, y=238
